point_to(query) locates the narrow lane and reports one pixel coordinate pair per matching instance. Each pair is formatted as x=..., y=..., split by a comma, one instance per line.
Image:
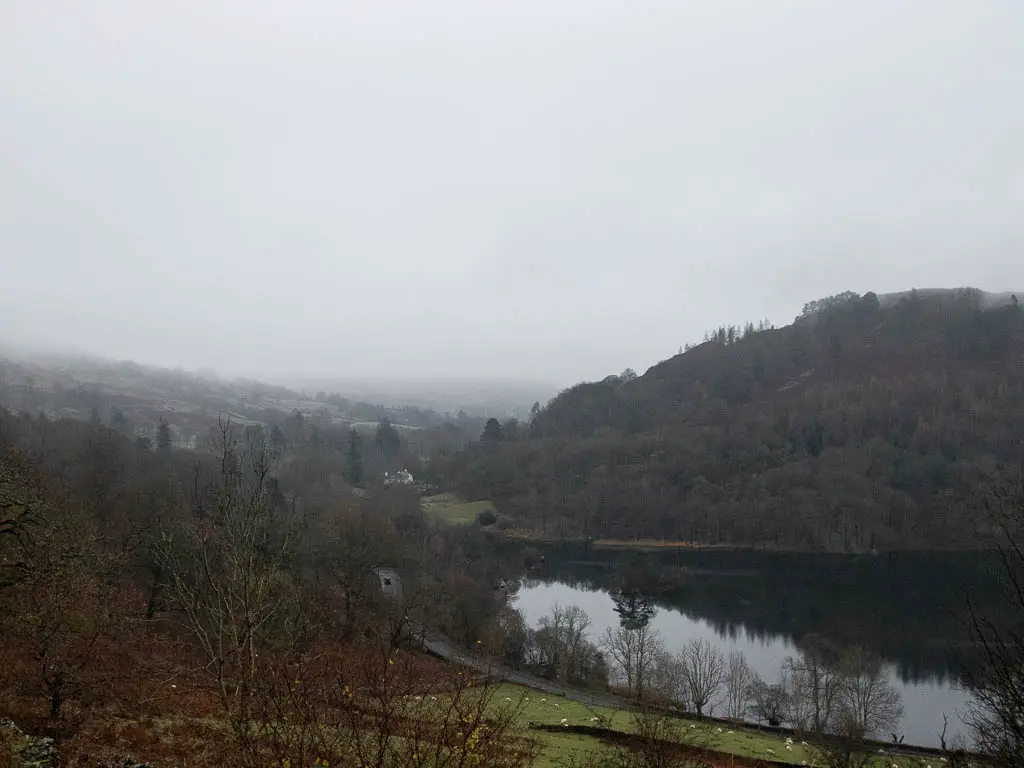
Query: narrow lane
x=443, y=647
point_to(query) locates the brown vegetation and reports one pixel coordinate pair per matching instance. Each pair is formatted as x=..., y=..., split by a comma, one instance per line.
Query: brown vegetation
x=179, y=608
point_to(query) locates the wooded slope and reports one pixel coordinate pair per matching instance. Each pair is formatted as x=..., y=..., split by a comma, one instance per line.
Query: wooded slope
x=865, y=424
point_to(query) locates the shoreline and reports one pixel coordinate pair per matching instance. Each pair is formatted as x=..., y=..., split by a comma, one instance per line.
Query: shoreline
x=515, y=536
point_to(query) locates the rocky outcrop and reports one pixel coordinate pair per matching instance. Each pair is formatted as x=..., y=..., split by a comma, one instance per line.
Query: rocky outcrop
x=27, y=751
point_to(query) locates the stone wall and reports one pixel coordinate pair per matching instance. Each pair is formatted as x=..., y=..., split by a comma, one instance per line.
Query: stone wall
x=27, y=751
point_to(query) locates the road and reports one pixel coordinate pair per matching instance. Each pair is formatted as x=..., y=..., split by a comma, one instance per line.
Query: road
x=445, y=648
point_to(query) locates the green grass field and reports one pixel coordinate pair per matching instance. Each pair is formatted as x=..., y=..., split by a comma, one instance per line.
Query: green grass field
x=450, y=508
x=558, y=748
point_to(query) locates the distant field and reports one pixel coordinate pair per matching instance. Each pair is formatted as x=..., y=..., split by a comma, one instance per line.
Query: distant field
x=368, y=426
x=451, y=508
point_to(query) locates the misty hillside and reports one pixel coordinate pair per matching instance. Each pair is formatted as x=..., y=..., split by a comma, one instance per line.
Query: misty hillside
x=134, y=399
x=501, y=399
x=865, y=424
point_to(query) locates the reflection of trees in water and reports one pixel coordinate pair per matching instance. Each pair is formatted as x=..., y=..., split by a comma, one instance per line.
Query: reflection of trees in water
x=904, y=607
x=634, y=610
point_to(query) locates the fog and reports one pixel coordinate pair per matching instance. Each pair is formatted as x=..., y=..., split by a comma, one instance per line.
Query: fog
x=532, y=190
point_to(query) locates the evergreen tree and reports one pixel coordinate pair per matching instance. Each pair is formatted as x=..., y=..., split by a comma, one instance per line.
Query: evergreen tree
x=388, y=439
x=634, y=610
x=119, y=421
x=354, y=459
x=277, y=438
x=163, y=435
x=492, y=431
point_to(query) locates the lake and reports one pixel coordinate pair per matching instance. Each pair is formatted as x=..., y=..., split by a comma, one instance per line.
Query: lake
x=907, y=608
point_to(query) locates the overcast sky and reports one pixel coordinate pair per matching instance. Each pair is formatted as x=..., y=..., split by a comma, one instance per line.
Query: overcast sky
x=532, y=189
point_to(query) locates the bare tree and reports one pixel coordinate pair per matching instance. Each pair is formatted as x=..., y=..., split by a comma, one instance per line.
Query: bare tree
x=955, y=751
x=21, y=501
x=703, y=667
x=577, y=623
x=738, y=678
x=634, y=654
x=869, y=704
x=65, y=604
x=346, y=544
x=225, y=570
x=815, y=684
x=376, y=706
x=842, y=702
x=997, y=718
x=769, y=702
x=667, y=678
x=561, y=640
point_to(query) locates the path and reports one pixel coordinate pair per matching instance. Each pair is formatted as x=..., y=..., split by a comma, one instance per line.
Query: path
x=439, y=645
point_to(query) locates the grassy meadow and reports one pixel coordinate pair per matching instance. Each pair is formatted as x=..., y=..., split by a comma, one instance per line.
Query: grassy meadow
x=558, y=749
x=450, y=508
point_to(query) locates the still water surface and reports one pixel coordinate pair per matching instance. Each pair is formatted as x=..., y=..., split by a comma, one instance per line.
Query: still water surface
x=904, y=609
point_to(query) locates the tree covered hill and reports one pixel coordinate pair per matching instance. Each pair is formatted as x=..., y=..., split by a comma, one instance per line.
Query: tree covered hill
x=869, y=423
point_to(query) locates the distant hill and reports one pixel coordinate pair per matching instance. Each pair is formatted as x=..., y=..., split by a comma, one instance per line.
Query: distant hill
x=871, y=422
x=501, y=399
x=133, y=398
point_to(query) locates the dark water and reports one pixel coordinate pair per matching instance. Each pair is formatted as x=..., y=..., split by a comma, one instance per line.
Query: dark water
x=907, y=608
